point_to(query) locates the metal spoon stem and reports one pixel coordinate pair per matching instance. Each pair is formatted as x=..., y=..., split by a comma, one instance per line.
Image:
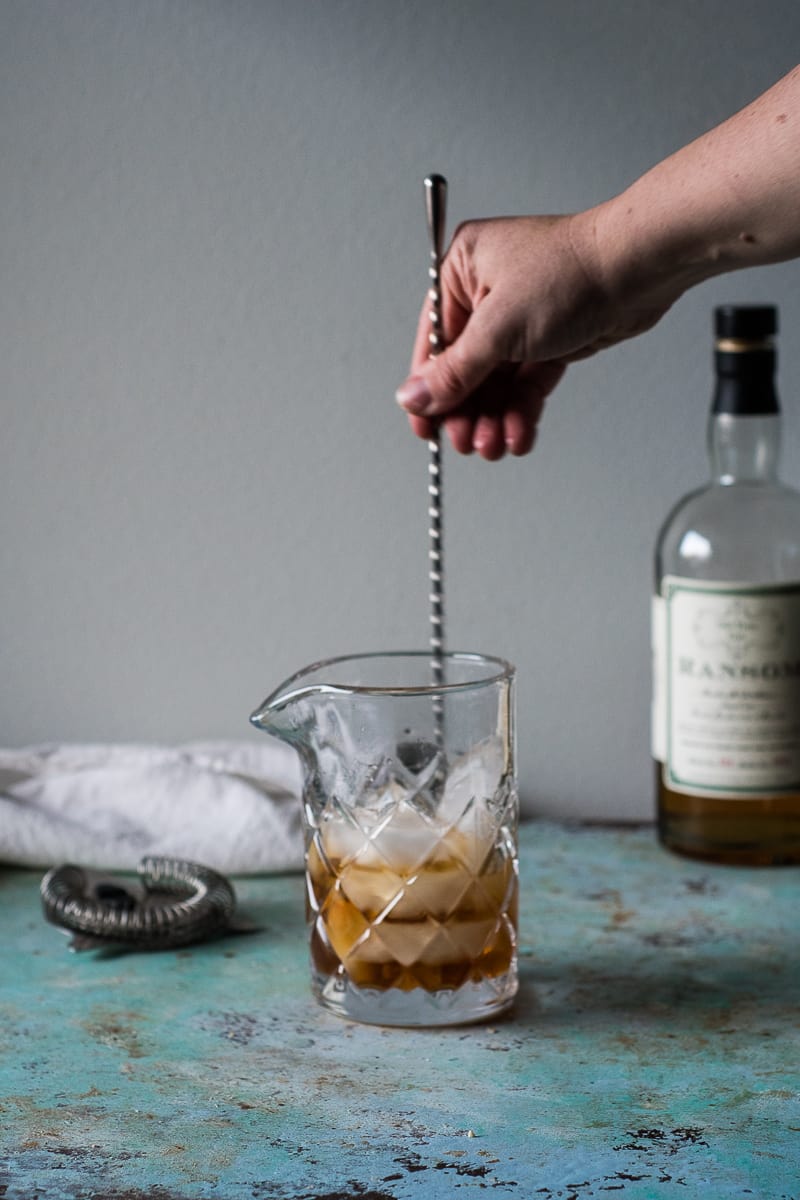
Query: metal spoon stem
x=435, y=207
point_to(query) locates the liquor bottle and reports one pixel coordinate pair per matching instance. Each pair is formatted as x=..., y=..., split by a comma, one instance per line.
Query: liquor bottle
x=726, y=625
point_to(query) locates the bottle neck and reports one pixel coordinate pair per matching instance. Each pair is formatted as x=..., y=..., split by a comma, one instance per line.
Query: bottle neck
x=744, y=449
x=744, y=429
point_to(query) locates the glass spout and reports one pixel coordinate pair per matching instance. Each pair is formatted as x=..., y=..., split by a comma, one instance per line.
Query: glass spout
x=277, y=714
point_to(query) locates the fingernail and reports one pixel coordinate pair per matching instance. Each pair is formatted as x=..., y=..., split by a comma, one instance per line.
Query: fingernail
x=414, y=396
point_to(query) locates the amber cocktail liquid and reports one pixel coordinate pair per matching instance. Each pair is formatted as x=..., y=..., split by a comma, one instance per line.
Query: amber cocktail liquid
x=411, y=842
x=412, y=908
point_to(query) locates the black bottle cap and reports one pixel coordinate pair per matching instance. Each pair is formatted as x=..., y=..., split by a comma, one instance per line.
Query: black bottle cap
x=750, y=323
x=744, y=357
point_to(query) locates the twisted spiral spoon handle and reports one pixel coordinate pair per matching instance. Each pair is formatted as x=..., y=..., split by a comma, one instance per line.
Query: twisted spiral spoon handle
x=435, y=207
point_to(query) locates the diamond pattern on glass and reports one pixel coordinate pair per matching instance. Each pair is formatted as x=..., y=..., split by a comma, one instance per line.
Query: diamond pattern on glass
x=409, y=900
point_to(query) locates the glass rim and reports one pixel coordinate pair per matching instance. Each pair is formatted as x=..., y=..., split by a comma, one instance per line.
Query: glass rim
x=502, y=670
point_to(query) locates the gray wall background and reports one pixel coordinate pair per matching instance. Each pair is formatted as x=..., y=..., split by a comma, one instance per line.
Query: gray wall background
x=213, y=252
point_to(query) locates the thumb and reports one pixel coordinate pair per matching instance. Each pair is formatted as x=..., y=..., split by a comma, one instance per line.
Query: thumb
x=444, y=382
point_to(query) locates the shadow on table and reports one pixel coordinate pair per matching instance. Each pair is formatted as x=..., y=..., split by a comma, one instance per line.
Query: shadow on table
x=669, y=984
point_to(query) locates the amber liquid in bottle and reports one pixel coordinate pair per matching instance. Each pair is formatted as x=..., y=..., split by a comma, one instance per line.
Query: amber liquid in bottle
x=727, y=627
x=759, y=831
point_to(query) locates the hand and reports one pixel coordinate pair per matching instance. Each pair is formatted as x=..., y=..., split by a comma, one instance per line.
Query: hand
x=521, y=298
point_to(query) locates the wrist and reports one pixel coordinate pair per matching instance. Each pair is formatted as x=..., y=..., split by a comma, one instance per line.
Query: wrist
x=643, y=248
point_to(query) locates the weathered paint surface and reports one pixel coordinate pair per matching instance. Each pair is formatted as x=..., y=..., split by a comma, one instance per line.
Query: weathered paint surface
x=653, y=1052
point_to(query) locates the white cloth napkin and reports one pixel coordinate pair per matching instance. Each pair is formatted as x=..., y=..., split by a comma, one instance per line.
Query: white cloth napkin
x=233, y=806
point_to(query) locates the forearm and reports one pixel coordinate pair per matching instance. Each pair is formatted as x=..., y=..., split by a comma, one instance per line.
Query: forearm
x=728, y=200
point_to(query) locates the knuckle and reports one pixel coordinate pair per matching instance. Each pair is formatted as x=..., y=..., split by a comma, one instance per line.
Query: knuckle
x=466, y=233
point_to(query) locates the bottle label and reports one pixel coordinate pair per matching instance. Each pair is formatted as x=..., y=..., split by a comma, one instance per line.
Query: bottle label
x=726, y=687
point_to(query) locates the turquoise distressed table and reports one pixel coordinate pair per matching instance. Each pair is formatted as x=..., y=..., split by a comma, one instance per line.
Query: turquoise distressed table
x=653, y=1051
